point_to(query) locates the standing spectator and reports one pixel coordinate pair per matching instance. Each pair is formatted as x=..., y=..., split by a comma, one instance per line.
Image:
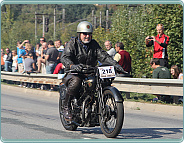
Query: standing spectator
x=5, y=55
x=2, y=60
x=110, y=50
x=51, y=57
x=160, y=43
x=123, y=58
x=15, y=63
x=8, y=61
x=20, y=51
x=159, y=71
x=176, y=72
x=23, y=52
x=60, y=48
x=42, y=58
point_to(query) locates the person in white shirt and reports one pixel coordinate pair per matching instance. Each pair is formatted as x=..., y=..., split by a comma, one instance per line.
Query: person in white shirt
x=15, y=63
x=110, y=50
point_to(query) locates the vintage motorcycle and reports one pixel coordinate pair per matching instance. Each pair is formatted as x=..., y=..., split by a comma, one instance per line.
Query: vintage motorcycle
x=99, y=102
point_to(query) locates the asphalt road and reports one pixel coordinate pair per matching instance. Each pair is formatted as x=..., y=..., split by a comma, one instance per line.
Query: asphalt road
x=27, y=115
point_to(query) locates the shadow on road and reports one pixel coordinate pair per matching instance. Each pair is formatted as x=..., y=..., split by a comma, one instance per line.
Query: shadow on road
x=141, y=133
x=151, y=133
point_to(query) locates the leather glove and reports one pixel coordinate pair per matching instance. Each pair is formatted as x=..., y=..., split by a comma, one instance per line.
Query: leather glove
x=120, y=69
x=77, y=68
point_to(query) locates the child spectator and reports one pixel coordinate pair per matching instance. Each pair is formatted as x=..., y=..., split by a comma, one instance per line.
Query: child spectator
x=15, y=63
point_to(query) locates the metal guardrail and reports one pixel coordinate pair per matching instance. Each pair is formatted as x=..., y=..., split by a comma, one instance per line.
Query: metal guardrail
x=32, y=78
x=172, y=87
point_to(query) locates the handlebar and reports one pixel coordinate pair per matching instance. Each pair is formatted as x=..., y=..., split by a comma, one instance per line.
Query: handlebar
x=89, y=70
x=85, y=70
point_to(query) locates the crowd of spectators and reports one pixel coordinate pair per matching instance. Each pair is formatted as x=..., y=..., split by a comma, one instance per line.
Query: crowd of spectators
x=45, y=57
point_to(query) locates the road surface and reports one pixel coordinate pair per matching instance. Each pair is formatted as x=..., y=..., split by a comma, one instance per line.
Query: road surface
x=26, y=115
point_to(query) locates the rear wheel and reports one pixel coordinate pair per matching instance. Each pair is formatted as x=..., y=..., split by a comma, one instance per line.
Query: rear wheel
x=66, y=124
x=112, y=116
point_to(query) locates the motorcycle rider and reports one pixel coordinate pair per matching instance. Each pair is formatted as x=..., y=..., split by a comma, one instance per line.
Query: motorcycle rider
x=79, y=52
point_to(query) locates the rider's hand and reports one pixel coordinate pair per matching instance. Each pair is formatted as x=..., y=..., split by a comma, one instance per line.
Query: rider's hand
x=77, y=68
x=120, y=69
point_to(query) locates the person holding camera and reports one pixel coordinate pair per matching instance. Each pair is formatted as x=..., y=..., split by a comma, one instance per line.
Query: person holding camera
x=160, y=43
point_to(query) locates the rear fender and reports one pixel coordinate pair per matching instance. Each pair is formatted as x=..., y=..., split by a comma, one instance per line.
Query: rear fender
x=116, y=93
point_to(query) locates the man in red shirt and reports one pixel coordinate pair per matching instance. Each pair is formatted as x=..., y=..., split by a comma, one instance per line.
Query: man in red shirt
x=123, y=58
x=160, y=43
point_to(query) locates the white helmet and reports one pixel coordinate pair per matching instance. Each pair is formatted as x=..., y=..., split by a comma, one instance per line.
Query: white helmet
x=84, y=26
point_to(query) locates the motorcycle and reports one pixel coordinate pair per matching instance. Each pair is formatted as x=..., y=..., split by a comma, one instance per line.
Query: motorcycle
x=99, y=104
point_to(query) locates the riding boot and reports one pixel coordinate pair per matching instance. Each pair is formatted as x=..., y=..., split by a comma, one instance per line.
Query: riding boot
x=67, y=109
x=67, y=113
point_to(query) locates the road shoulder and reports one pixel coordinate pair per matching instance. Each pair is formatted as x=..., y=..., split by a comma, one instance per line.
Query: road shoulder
x=152, y=107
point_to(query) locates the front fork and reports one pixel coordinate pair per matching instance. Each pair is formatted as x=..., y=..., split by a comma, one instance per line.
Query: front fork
x=101, y=101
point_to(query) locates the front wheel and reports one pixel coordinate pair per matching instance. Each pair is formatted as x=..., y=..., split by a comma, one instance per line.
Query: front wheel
x=112, y=116
x=67, y=125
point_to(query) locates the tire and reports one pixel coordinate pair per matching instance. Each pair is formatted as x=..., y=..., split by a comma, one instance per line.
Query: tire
x=111, y=119
x=65, y=123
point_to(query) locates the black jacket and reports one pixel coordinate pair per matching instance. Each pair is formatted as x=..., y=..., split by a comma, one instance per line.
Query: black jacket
x=76, y=53
x=9, y=57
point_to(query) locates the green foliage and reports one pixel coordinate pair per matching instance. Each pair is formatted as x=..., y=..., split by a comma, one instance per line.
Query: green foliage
x=6, y=27
x=18, y=22
x=77, y=11
x=132, y=25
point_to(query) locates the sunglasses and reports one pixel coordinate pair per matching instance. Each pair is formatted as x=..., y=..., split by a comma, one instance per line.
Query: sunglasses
x=85, y=33
x=41, y=40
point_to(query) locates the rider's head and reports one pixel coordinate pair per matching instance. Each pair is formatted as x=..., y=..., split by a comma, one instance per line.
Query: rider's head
x=84, y=30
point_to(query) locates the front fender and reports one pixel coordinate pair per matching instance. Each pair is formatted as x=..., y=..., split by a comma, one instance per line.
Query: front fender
x=117, y=95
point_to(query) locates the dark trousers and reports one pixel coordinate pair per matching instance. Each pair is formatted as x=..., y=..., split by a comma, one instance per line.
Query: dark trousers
x=73, y=84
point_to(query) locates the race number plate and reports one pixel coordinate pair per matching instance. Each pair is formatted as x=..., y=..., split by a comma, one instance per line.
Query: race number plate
x=107, y=72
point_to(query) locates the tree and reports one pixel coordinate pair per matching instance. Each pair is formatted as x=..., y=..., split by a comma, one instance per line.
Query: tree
x=131, y=25
x=6, y=25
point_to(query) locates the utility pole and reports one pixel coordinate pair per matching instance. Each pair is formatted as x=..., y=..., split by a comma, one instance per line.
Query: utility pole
x=63, y=17
x=107, y=19
x=54, y=23
x=93, y=17
x=43, y=25
x=100, y=19
x=95, y=22
x=35, y=27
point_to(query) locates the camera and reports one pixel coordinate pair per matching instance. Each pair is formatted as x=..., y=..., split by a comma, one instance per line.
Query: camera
x=150, y=38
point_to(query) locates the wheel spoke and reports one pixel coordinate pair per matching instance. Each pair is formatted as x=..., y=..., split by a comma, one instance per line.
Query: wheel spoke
x=109, y=119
